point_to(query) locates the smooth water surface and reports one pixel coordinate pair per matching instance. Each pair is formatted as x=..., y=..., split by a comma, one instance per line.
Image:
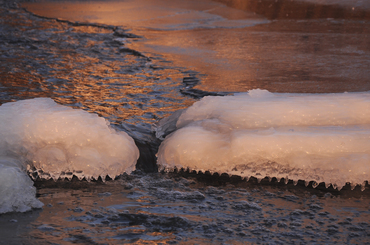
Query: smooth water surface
x=281, y=46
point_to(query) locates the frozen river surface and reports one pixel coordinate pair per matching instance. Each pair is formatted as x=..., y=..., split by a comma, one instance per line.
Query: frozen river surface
x=136, y=62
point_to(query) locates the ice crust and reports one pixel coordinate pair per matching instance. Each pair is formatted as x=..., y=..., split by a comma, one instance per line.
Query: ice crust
x=55, y=141
x=311, y=137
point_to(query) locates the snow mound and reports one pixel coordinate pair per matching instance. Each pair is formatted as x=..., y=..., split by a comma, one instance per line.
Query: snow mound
x=311, y=137
x=56, y=142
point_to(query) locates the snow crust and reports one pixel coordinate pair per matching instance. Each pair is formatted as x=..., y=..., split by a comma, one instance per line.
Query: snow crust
x=55, y=141
x=311, y=137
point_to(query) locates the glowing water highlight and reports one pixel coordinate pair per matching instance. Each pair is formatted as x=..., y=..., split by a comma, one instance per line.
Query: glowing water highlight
x=311, y=137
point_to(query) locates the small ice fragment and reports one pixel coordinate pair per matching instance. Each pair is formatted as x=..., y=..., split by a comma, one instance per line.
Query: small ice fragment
x=314, y=206
x=106, y=194
x=328, y=195
x=78, y=210
x=244, y=205
x=45, y=228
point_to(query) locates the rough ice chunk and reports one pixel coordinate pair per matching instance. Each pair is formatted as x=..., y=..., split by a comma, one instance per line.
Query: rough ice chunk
x=56, y=141
x=17, y=193
x=313, y=137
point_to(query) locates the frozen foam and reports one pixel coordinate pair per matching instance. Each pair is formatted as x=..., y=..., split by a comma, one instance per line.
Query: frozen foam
x=56, y=141
x=311, y=137
x=17, y=193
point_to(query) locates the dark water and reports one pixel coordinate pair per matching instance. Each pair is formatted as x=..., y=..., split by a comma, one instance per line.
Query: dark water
x=134, y=81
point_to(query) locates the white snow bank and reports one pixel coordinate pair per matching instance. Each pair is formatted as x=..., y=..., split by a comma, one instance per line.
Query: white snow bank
x=56, y=141
x=312, y=137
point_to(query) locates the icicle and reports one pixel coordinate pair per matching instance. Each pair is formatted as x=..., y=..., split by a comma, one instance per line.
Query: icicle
x=363, y=186
x=315, y=184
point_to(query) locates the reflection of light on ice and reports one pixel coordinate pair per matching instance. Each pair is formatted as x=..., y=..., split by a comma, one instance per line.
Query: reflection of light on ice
x=312, y=137
x=56, y=141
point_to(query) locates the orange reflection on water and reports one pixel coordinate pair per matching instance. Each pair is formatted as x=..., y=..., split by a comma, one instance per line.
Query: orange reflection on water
x=304, y=9
x=284, y=56
x=305, y=50
x=83, y=216
x=84, y=67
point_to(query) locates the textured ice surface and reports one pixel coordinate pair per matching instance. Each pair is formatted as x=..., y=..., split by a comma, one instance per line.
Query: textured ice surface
x=312, y=137
x=56, y=141
x=17, y=193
